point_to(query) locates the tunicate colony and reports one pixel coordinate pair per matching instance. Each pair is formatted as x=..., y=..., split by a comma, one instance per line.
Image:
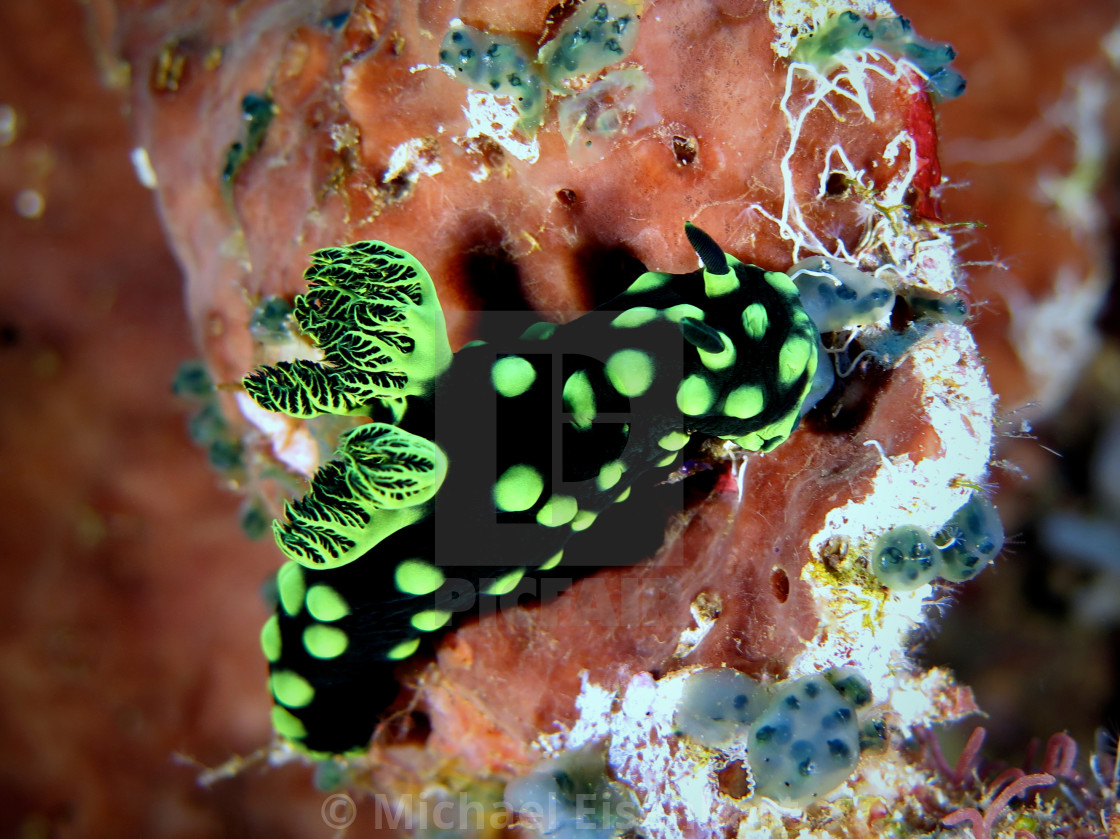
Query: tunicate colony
x=572, y=797
x=803, y=738
x=803, y=735
x=907, y=557
x=850, y=32
x=594, y=36
x=837, y=296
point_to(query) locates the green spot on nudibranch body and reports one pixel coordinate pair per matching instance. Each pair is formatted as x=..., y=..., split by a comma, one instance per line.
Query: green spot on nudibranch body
x=539, y=332
x=518, y=488
x=579, y=399
x=649, y=281
x=557, y=511
x=695, y=395
x=673, y=441
x=403, y=650
x=430, y=620
x=290, y=587
x=291, y=689
x=286, y=724
x=630, y=371
x=781, y=282
x=583, y=520
x=610, y=475
x=324, y=642
x=794, y=359
x=755, y=321
x=506, y=583
x=551, y=562
x=270, y=639
x=745, y=402
x=512, y=376
x=414, y=576
x=635, y=316
x=326, y=604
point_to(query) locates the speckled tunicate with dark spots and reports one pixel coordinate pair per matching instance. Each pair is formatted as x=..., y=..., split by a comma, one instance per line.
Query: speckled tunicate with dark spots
x=971, y=539
x=905, y=558
x=806, y=742
x=717, y=706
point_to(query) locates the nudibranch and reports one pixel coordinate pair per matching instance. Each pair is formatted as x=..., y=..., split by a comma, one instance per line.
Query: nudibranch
x=477, y=468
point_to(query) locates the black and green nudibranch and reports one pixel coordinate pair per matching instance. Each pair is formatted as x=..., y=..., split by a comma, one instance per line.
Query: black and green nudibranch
x=479, y=467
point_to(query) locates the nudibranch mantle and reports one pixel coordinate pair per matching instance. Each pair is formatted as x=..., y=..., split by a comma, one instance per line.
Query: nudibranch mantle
x=561, y=424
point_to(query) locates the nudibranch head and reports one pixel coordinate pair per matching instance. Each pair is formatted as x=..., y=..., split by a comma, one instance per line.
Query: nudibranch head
x=755, y=351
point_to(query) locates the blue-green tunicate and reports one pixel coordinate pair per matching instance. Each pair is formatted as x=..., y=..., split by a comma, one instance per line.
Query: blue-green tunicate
x=596, y=35
x=269, y=321
x=495, y=63
x=849, y=32
x=905, y=558
x=823, y=379
x=806, y=742
x=975, y=536
x=949, y=307
x=850, y=684
x=593, y=118
x=718, y=705
x=572, y=797
x=839, y=296
x=846, y=31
